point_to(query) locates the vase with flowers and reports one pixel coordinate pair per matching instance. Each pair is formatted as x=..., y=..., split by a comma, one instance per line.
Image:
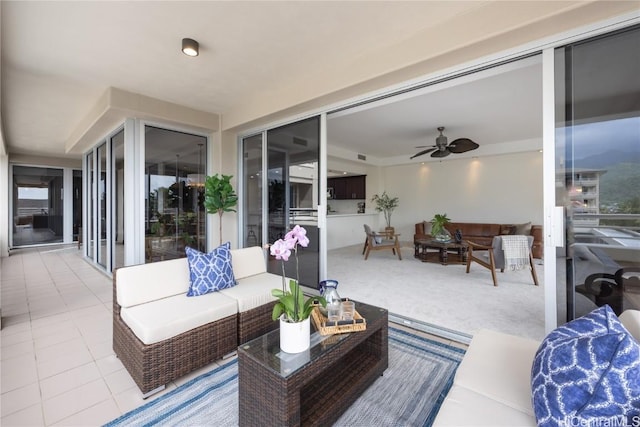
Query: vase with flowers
x=292, y=309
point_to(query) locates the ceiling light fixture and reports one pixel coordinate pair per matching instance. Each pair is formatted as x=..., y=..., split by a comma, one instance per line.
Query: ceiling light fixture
x=190, y=47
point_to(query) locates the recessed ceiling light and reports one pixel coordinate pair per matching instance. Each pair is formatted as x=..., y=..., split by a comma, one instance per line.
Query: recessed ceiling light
x=190, y=47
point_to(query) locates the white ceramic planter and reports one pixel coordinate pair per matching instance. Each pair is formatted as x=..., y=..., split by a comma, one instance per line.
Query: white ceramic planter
x=294, y=337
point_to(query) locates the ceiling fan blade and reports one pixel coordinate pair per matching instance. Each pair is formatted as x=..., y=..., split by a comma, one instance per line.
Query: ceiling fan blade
x=443, y=153
x=462, y=145
x=428, y=150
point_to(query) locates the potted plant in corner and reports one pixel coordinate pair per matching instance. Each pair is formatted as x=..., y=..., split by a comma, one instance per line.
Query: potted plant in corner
x=291, y=309
x=219, y=197
x=386, y=205
x=438, y=230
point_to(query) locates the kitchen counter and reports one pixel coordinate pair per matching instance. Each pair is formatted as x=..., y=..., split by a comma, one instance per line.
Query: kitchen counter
x=348, y=229
x=331, y=215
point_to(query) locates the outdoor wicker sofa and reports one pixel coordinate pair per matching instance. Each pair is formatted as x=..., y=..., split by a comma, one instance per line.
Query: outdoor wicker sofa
x=493, y=384
x=160, y=334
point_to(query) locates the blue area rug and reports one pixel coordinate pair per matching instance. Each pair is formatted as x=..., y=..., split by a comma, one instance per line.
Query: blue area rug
x=410, y=392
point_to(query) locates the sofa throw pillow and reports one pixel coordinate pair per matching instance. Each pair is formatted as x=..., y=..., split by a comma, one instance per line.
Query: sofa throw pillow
x=586, y=372
x=377, y=238
x=210, y=272
x=522, y=229
x=426, y=226
x=507, y=229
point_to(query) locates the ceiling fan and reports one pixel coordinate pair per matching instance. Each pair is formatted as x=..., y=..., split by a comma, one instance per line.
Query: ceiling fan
x=441, y=149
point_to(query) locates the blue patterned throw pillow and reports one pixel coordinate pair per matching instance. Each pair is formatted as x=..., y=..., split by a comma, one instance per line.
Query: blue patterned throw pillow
x=210, y=272
x=587, y=372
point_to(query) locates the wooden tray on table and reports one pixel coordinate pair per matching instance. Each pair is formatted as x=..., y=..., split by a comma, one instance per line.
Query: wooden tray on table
x=325, y=327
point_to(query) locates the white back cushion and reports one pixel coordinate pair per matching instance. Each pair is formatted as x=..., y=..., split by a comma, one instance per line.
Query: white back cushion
x=248, y=262
x=631, y=320
x=142, y=283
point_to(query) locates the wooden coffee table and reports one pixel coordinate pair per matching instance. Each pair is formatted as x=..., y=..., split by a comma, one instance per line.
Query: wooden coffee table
x=446, y=252
x=314, y=387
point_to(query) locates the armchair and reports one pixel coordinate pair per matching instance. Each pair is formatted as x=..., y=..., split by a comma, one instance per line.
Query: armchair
x=603, y=288
x=496, y=257
x=377, y=241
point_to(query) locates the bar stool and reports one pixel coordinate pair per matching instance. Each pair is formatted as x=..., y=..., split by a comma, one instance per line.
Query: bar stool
x=252, y=239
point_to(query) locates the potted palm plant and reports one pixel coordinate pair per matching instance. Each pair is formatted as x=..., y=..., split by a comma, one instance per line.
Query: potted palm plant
x=219, y=197
x=386, y=205
x=438, y=229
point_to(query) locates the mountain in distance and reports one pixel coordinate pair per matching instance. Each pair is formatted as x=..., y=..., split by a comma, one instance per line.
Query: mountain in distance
x=607, y=160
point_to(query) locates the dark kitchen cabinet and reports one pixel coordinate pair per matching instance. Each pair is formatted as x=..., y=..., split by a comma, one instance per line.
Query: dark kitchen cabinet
x=349, y=187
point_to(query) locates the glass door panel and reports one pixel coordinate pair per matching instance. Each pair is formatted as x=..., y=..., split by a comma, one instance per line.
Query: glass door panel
x=37, y=205
x=91, y=208
x=598, y=173
x=102, y=205
x=293, y=157
x=77, y=205
x=252, y=191
x=174, y=201
x=117, y=208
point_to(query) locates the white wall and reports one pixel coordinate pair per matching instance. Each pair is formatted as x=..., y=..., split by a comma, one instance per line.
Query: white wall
x=497, y=189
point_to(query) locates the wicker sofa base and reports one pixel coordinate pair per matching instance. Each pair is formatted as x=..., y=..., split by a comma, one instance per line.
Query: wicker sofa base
x=155, y=365
x=255, y=322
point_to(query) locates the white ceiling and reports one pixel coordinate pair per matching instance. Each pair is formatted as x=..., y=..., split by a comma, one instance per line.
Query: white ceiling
x=59, y=57
x=500, y=106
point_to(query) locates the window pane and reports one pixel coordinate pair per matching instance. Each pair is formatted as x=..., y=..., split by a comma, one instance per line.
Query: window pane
x=117, y=148
x=598, y=172
x=77, y=205
x=293, y=190
x=37, y=205
x=174, y=174
x=90, y=207
x=252, y=168
x=102, y=204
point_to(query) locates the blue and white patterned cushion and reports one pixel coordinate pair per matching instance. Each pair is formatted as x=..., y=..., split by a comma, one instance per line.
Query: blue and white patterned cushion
x=210, y=272
x=587, y=372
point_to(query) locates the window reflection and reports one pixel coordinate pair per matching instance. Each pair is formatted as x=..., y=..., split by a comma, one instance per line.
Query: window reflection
x=598, y=172
x=37, y=205
x=174, y=202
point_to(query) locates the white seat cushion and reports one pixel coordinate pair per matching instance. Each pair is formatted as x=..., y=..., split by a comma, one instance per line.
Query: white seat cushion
x=165, y=318
x=254, y=291
x=498, y=366
x=464, y=407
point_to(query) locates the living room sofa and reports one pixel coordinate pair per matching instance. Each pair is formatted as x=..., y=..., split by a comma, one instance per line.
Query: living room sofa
x=483, y=233
x=160, y=334
x=492, y=386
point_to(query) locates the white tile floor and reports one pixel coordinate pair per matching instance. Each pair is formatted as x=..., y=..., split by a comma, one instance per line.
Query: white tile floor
x=57, y=363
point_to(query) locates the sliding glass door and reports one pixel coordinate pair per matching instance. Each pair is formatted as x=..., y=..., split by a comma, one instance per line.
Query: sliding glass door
x=104, y=187
x=598, y=172
x=174, y=193
x=38, y=208
x=281, y=190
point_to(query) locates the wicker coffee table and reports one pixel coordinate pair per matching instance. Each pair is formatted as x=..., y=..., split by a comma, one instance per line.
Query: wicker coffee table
x=314, y=387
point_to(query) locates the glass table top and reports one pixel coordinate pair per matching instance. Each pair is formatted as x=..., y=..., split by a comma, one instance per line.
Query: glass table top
x=266, y=349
